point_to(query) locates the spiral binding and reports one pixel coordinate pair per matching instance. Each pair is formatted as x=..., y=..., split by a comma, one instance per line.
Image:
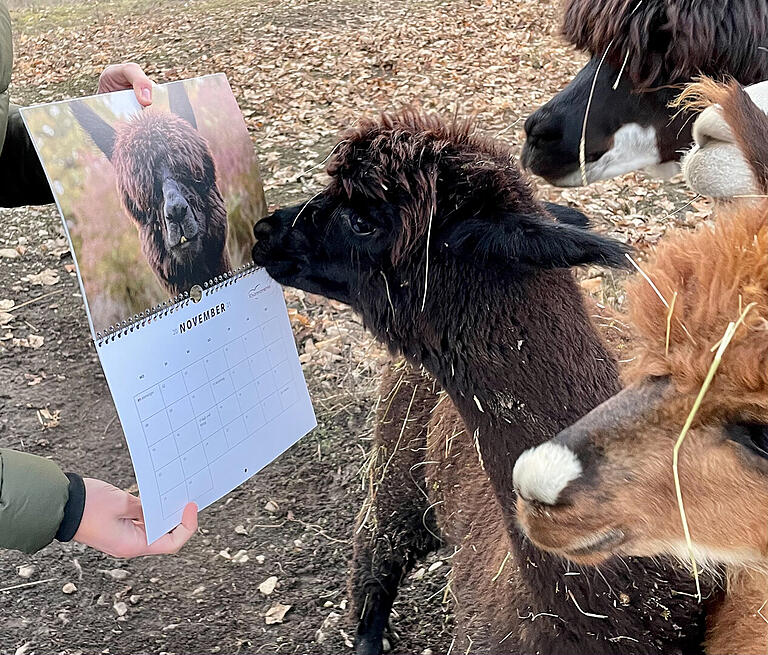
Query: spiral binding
x=163, y=309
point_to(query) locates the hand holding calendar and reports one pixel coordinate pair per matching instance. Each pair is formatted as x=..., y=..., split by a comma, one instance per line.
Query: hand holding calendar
x=195, y=342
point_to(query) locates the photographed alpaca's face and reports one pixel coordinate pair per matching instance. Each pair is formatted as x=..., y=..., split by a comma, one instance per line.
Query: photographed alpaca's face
x=605, y=486
x=174, y=204
x=626, y=130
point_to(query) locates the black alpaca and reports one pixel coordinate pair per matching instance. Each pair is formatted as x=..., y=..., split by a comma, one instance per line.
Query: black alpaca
x=433, y=236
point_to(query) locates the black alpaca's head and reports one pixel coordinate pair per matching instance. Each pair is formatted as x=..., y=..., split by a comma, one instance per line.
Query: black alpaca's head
x=648, y=50
x=419, y=216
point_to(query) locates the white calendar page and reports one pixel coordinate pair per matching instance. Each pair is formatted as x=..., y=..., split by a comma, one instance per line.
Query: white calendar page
x=207, y=395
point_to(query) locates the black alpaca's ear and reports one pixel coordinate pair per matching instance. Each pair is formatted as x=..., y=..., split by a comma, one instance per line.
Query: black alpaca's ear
x=102, y=133
x=520, y=240
x=178, y=101
x=567, y=214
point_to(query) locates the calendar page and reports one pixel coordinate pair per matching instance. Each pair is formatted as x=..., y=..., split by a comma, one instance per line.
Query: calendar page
x=208, y=394
x=159, y=204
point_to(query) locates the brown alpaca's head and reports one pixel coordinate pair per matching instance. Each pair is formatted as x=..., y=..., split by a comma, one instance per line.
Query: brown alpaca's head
x=605, y=485
x=166, y=177
x=421, y=218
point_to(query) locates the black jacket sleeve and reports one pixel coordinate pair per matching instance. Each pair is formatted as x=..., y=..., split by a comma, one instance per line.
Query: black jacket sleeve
x=22, y=180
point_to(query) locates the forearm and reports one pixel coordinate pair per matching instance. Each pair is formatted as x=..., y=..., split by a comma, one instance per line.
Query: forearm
x=38, y=503
x=23, y=179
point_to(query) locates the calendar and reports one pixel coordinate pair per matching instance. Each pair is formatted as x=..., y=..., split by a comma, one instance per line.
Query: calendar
x=195, y=342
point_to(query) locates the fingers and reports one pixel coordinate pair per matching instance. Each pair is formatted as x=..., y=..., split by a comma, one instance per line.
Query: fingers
x=181, y=534
x=142, y=85
x=127, y=76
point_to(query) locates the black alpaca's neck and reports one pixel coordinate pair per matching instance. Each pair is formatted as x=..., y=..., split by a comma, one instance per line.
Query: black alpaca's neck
x=520, y=359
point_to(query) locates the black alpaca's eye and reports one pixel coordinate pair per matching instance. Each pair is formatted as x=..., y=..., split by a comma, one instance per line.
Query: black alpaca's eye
x=360, y=226
x=753, y=436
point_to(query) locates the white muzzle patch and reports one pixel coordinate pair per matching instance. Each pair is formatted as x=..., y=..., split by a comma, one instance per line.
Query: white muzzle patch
x=634, y=148
x=541, y=473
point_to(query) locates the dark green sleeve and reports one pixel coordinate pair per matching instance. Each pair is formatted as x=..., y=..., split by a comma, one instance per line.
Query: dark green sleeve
x=22, y=180
x=33, y=496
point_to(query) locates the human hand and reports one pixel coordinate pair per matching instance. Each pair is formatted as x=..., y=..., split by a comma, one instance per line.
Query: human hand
x=113, y=522
x=126, y=76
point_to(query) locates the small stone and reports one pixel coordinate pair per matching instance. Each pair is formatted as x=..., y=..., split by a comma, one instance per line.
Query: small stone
x=327, y=603
x=418, y=575
x=427, y=651
x=134, y=599
x=8, y=253
x=240, y=529
x=240, y=557
x=271, y=506
x=225, y=554
x=121, y=609
x=26, y=571
x=435, y=565
x=330, y=622
x=69, y=588
x=260, y=559
x=198, y=590
x=268, y=586
x=117, y=574
x=385, y=645
x=624, y=598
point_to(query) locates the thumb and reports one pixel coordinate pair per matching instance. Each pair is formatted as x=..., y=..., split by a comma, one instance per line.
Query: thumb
x=142, y=87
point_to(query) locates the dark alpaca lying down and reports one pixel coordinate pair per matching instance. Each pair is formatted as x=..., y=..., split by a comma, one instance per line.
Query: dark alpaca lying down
x=166, y=177
x=433, y=236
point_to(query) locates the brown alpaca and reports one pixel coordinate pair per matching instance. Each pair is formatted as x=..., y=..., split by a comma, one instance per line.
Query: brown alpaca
x=433, y=236
x=166, y=178
x=605, y=485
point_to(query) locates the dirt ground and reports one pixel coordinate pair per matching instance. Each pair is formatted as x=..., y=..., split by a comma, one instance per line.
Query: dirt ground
x=301, y=71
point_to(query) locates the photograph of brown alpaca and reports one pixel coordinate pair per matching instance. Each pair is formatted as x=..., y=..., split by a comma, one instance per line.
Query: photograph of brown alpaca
x=156, y=200
x=167, y=182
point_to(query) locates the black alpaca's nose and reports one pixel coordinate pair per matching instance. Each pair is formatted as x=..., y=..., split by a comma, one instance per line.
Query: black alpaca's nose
x=263, y=229
x=543, y=125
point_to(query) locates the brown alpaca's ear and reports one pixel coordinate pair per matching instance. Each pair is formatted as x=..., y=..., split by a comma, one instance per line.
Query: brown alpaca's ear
x=178, y=101
x=525, y=241
x=102, y=133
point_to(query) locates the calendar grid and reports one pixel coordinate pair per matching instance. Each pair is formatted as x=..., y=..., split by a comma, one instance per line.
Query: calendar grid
x=193, y=417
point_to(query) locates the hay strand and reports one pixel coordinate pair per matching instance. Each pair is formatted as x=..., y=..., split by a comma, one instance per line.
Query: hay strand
x=727, y=337
x=583, y=141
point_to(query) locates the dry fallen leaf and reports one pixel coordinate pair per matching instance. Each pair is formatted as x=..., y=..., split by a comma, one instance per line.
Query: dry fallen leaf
x=276, y=613
x=35, y=340
x=46, y=277
x=268, y=586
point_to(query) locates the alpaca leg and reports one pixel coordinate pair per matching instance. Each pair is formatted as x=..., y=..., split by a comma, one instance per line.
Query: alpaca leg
x=396, y=526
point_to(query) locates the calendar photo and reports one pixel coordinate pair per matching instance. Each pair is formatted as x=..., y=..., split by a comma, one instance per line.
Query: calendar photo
x=155, y=200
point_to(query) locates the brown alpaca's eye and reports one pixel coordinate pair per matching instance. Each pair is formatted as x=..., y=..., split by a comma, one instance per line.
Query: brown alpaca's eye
x=753, y=436
x=360, y=226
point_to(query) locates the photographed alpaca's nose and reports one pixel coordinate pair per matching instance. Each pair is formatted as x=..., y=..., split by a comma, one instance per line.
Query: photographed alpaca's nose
x=176, y=210
x=176, y=205
x=542, y=473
